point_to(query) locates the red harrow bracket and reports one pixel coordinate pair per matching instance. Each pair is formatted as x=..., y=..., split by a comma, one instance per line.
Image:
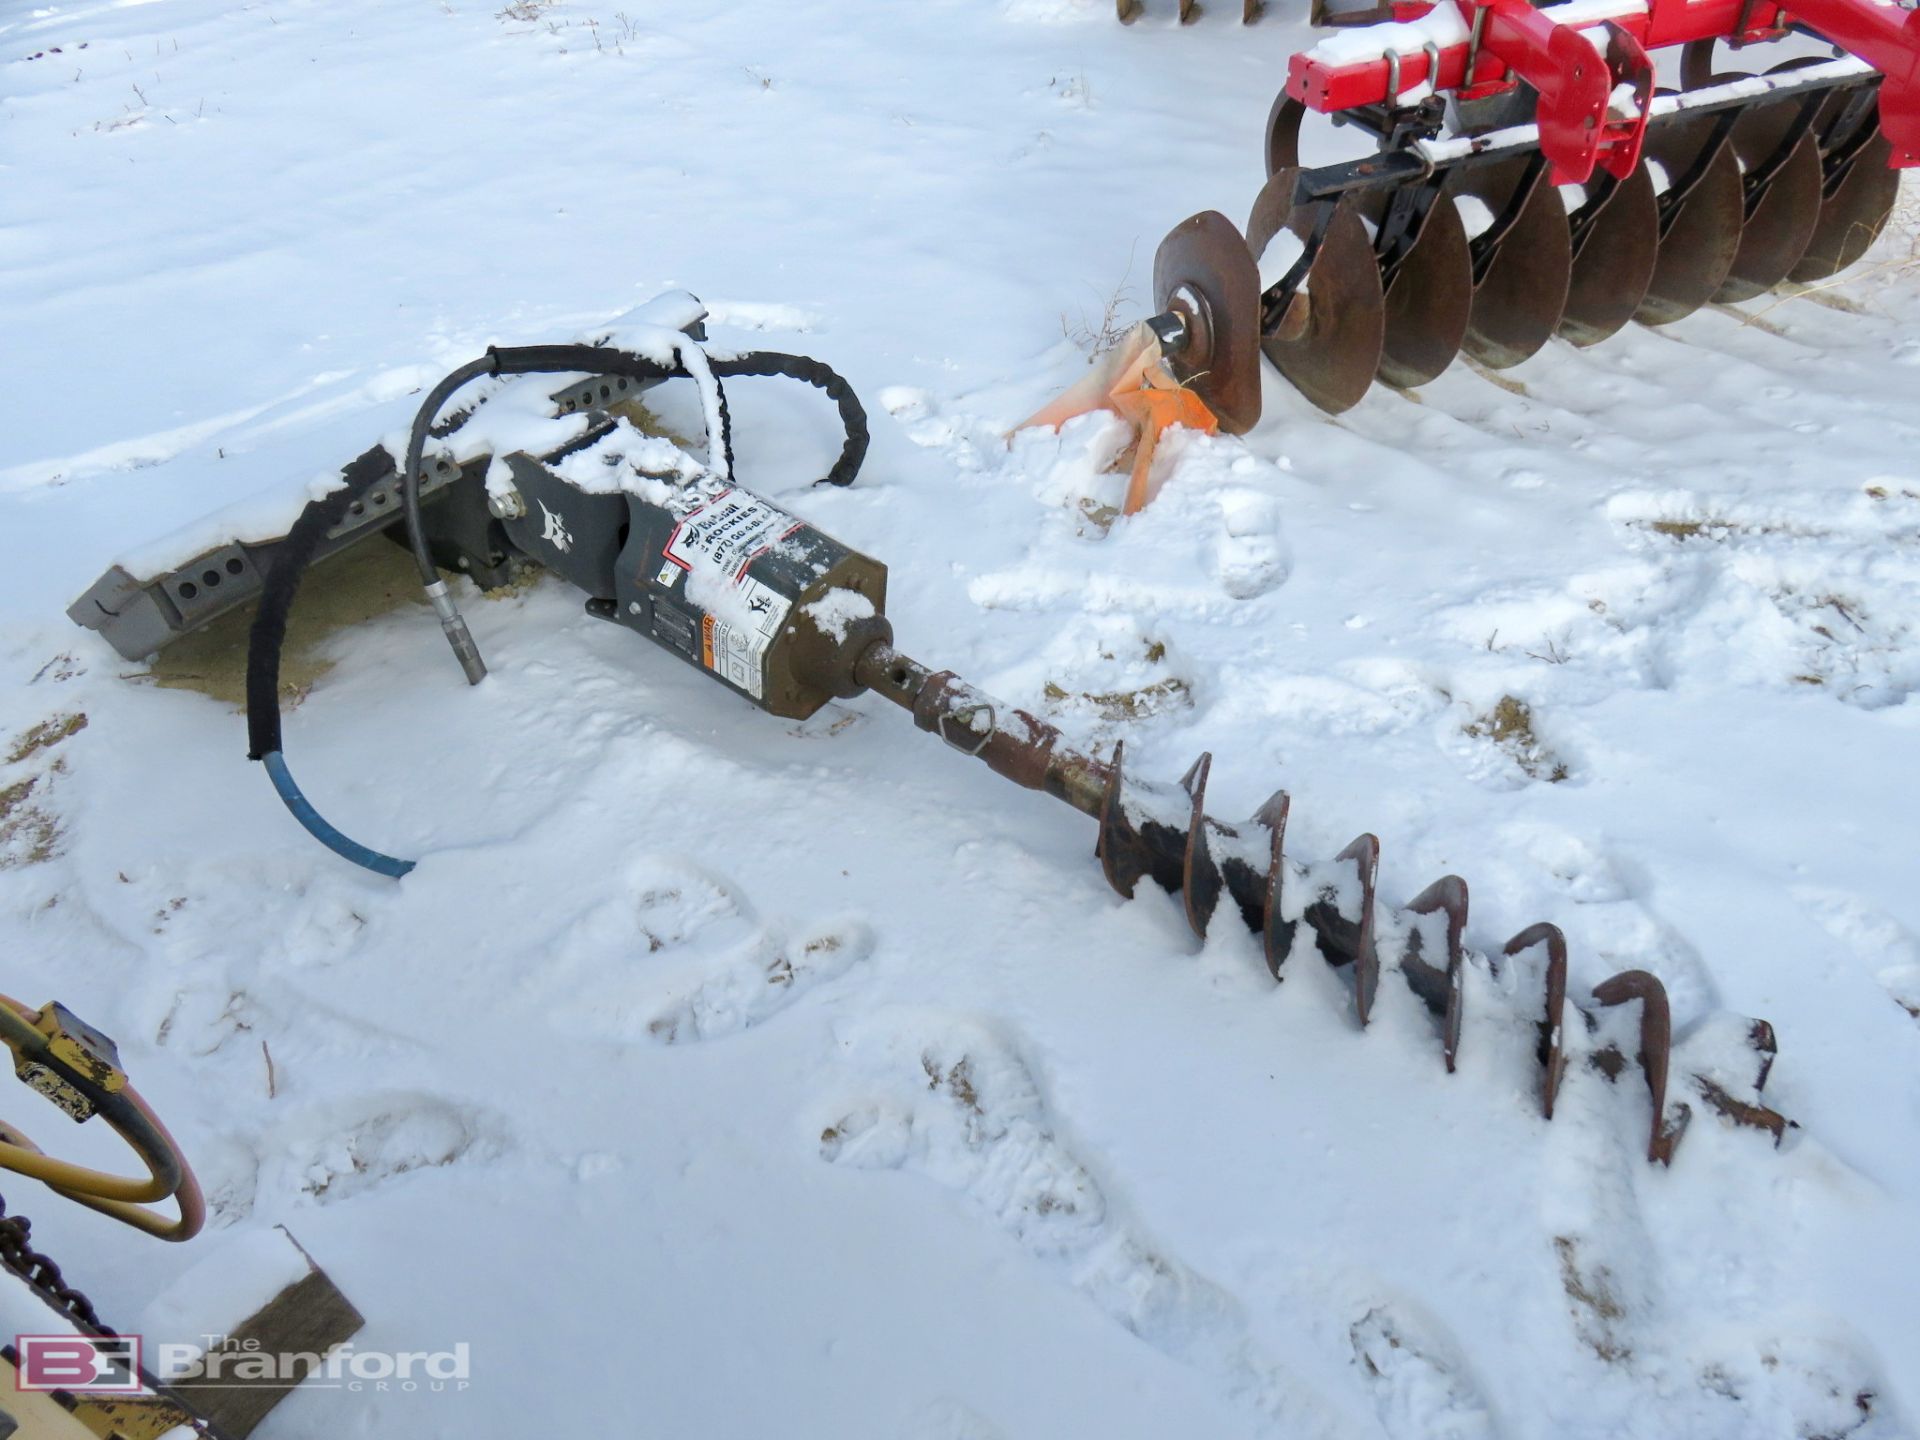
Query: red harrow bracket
x=1528, y=180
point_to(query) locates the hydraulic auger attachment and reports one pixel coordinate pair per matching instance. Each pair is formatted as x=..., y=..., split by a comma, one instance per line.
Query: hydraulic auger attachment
x=789, y=618
x=1528, y=180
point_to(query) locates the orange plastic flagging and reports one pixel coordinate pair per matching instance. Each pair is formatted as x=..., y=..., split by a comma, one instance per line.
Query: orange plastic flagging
x=1133, y=382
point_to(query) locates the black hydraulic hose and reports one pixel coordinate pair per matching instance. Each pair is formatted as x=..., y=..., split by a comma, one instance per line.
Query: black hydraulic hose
x=282, y=581
x=601, y=360
x=812, y=372
x=268, y=636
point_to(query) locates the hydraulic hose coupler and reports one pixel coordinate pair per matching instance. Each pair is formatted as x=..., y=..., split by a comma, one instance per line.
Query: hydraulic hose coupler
x=454, y=626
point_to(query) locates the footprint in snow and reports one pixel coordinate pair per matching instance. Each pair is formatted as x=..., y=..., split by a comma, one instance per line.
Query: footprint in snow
x=951, y=1100
x=1249, y=556
x=757, y=983
x=687, y=959
x=1420, y=1390
x=1801, y=1386
x=336, y=1151
x=1884, y=947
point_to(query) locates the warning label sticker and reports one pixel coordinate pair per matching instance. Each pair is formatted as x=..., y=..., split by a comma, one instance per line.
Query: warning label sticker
x=736, y=652
x=717, y=542
x=723, y=535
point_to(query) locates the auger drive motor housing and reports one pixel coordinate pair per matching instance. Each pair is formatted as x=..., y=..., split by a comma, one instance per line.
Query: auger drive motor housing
x=772, y=607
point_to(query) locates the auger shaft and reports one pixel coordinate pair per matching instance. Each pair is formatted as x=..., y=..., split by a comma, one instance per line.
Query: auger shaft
x=1163, y=833
x=1013, y=744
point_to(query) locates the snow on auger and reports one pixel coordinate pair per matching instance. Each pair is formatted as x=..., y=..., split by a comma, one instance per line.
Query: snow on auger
x=788, y=618
x=1530, y=181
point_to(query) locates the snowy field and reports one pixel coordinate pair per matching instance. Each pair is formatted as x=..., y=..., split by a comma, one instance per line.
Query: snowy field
x=716, y=1075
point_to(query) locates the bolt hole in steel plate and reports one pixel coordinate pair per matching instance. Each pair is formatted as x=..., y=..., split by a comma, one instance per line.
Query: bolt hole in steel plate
x=1333, y=357
x=1698, y=249
x=1204, y=271
x=1855, y=214
x=1518, y=304
x=1615, y=264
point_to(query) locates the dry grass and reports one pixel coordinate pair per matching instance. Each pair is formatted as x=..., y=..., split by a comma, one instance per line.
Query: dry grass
x=1717, y=528
x=957, y=1081
x=1597, y=1307
x=1097, y=332
x=1155, y=698
x=1510, y=726
x=46, y=735
x=30, y=831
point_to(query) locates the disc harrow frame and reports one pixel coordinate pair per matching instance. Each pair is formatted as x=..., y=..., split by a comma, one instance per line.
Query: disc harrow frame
x=1599, y=199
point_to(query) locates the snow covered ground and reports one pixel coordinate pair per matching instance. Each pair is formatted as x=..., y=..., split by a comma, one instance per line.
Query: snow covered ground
x=718, y=1075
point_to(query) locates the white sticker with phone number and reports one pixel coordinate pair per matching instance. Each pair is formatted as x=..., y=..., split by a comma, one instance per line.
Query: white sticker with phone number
x=722, y=536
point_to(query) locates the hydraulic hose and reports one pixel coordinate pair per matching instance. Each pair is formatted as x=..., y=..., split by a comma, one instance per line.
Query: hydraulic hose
x=121, y=1197
x=268, y=637
x=853, y=417
x=689, y=362
x=282, y=582
x=452, y=623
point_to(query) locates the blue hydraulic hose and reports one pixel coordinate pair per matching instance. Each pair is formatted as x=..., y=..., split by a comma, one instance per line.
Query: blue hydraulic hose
x=316, y=825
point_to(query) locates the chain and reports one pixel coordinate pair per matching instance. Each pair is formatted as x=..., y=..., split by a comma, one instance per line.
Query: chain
x=18, y=1255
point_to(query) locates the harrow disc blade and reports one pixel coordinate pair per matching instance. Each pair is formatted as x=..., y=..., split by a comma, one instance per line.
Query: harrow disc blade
x=1702, y=233
x=1332, y=353
x=1429, y=300
x=1204, y=272
x=1283, y=134
x=1852, y=217
x=1615, y=264
x=1523, y=285
x=1782, y=225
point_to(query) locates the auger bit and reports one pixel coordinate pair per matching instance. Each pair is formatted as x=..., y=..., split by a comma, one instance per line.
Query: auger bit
x=1163, y=833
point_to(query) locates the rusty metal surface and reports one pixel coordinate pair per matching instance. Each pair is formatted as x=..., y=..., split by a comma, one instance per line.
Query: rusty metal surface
x=1783, y=213
x=1276, y=931
x=1859, y=199
x=1701, y=231
x=1200, y=882
x=1440, y=986
x=1429, y=300
x=1779, y=228
x=1551, y=1050
x=1521, y=292
x=1722, y=207
x=1654, y=1056
x=1204, y=272
x=1614, y=265
x=1163, y=833
x=1282, y=146
x=1349, y=940
x=1333, y=350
